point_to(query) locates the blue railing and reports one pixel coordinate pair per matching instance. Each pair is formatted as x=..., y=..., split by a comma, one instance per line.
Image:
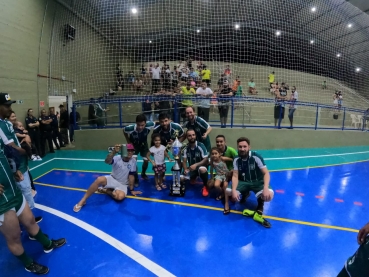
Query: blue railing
x=232, y=102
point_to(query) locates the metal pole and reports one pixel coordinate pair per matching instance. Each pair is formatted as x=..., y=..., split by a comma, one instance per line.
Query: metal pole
x=344, y=116
x=232, y=113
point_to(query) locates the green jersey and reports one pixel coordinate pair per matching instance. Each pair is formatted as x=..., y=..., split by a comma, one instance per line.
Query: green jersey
x=196, y=154
x=8, y=136
x=138, y=138
x=249, y=169
x=175, y=130
x=229, y=153
x=200, y=126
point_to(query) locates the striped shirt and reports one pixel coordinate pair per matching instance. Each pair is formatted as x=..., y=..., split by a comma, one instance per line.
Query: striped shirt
x=249, y=169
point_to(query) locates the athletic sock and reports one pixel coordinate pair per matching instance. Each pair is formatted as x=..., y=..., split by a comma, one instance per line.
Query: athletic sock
x=204, y=177
x=41, y=238
x=25, y=259
x=260, y=207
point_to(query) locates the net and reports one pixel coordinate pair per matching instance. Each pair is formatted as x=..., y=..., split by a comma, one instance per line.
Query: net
x=318, y=46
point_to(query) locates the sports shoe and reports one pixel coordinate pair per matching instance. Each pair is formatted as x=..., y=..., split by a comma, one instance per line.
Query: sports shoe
x=34, y=158
x=55, y=244
x=260, y=219
x=37, y=269
x=248, y=213
x=39, y=158
x=38, y=219
x=204, y=191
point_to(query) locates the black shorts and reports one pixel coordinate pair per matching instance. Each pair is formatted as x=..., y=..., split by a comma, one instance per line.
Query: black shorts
x=278, y=112
x=223, y=110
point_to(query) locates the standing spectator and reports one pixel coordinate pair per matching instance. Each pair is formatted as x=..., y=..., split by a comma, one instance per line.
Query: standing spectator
x=252, y=88
x=174, y=77
x=186, y=93
x=155, y=71
x=73, y=126
x=223, y=105
x=100, y=113
x=91, y=114
x=335, y=101
x=239, y=91
x=280, y=99
x=55, y=129
x=293, y=98
x=271, y=78
x=206, y=75
x=221, y=81
x=228, y=72
x=340, y=99
x=199, y=125
x=204, y=104
x=324, y=85
x=46, y=132
x=64, y=124
x=193, y=74
x=25, y=141
x=147, y=108
x=32, y=126
x=166, y=78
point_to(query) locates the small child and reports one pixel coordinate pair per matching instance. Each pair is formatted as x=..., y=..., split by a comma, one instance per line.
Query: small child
x=158, y=164
x=25, y=141
x=221, y=171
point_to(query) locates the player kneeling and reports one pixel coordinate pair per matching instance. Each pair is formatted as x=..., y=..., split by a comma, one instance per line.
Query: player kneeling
x=115, y=184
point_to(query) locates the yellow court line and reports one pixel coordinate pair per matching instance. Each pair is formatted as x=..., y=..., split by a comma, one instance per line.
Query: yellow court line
x=217, y=209
x=43, y=174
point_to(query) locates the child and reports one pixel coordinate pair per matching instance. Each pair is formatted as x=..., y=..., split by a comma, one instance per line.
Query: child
x=25, y=142
x=221, y=170
x=158, y=164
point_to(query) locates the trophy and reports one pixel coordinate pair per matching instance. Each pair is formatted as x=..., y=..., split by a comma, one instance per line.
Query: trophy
x=177, y=189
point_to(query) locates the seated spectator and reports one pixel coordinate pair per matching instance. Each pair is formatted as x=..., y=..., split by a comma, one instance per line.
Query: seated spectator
x=131, y=78
x=252, y=88
x=239, y=91
x=324, y=85
x=120, y=83
x=184, y=75
x=194, y=75
x=227, y=72
x=138, y=85
x=235, y=83
x=25, y=142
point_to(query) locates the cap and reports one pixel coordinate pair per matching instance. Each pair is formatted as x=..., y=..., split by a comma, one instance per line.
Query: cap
x=5, y=99
x=130, y=146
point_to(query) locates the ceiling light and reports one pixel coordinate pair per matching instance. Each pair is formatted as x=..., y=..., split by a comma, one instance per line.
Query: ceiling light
x=150, y=41
x=134, y=10
x=338, y=55
x=312, y=41
x=349, y=25
x=237, y=26
x=278, y=33
x=198, y=30
x=358, y=69
x=313, y=9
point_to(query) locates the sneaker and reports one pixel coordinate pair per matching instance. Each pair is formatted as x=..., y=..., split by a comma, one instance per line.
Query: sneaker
x=38, y=219
x=260, y=219
x=34, y=158
x=37, y=268
x=39, y=158
x=204, y=191
x=248, y=213
x=55, y=244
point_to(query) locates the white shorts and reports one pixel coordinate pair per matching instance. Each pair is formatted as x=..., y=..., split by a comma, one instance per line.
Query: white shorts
x=111, y=183
x=24, y=202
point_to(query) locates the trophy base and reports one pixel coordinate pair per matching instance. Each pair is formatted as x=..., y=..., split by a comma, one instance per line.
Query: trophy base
x=177, y=189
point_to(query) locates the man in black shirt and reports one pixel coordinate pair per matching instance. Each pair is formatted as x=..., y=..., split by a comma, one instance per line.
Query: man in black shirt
x=223, y=105
x=32, y=126
x=55, y=129
x=64, y=124
x=46, y=132
x=71, y=124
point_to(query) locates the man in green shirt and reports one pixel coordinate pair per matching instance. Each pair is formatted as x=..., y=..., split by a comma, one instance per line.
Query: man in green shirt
x=200, y=126
x=250, y=174
x=14, y=208
x=137, y=135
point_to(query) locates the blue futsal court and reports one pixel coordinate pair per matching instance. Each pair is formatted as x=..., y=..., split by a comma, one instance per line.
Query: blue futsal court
x=321, y=200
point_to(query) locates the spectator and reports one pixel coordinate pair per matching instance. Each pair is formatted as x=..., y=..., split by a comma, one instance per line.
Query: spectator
x=167, y=78
x=279, y=106
x=252, y=88
x=223, y=105
x=100, y=113
x=239, y=91
x=184, y=75
x=131, y=78
x=91, y=114
x=46, y=132
x=147, y=108
x=186, y=93
x=155, y=78
x=206, y=75
x=221, y=81
x=324, y=85
x=120, y=83
x=174, y=77
x=340, y=99
x=204, y=104
x=194, y=75
x=138, y=85
x=55, y=129
x=197, y=156
x=164, y=105
x=273, y=88
x=271, y=78
x=335, y=101
x=228, y=72
x=199, y=125
x=64, y=124
x=293, y=99
x=33, y=128
x=73, y=126
x=25, y=141
x=235, y=83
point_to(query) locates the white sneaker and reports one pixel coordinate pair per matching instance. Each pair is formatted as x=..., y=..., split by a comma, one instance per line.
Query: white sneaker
x=34, y=158
x=39, y=158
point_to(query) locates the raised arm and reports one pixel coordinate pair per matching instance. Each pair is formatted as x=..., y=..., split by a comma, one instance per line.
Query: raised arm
x=109, y=158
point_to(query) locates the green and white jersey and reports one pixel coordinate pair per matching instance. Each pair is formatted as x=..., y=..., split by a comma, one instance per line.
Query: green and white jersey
x=196, y=154
x=249, y=169
x=8, y=136
x=138, y=138
x=200, y=126
x=175, y=130
x=230, y=153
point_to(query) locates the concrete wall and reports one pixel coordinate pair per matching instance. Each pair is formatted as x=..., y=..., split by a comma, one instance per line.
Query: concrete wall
x=25, y=30
x=260, y=138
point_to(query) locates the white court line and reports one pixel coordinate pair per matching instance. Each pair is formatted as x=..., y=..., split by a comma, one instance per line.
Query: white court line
x=41, y=164
x=133, y=254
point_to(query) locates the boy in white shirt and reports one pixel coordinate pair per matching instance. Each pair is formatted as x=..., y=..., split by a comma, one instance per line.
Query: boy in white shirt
x=158, y=151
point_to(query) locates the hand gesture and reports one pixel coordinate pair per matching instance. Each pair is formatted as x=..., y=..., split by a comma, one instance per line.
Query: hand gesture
x=117, y=148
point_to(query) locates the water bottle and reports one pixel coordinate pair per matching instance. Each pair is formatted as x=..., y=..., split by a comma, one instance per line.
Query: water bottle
x=123, y=150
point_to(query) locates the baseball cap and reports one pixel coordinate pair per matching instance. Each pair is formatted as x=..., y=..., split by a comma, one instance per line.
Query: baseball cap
x=5, y=99
x=130, y=146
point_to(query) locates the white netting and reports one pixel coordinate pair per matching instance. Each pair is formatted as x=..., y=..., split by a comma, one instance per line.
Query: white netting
x=303, y=54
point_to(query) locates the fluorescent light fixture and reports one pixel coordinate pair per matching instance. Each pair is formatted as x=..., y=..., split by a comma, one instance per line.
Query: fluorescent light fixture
x=349, y=25
x=313, y=9
x=134, y=10
x=237, y=26
x=198, y=30
x=312, y=41
x=278, y=33
x=338, y=55
x=358, y=69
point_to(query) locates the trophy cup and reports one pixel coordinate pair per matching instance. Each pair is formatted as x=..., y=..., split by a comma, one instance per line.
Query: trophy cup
x=177, y=189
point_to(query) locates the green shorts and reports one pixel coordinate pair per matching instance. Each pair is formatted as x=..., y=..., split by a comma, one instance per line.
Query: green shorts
x=142, y=149
x=257, y=187
x=17, y=204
